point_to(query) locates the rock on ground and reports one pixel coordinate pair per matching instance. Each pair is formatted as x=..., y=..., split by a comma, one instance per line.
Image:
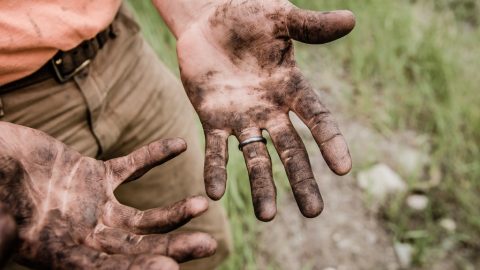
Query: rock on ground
x=380, y=181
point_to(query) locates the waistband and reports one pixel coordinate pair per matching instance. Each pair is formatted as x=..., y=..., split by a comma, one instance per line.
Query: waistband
x=65, y=64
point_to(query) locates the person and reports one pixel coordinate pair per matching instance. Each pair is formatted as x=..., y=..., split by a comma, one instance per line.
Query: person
x=81, y=72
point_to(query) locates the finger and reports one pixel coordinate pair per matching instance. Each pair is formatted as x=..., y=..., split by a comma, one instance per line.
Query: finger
x=315, y=27
x=157, y=220
x=216, y=157
x=325, y=131
x=294, y=157
x=140, y=161
x=259, y=166
x=181, y=247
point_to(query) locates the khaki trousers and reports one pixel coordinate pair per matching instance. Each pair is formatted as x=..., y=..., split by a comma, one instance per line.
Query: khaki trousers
x=125, y=99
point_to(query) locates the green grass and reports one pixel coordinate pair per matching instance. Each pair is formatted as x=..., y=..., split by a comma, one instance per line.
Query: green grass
x=415, y=66
x=412, y=65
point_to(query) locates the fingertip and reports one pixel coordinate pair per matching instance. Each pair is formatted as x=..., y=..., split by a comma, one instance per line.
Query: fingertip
x=312, y=209
x=180, y=144
x=266, y=212
x=309, y=199
x=215, y=181
x=337, y=155
x=197, y=205
x=168, y=148
x=214, y=245
x=215, y=193
x=208, y=247
x=187, y=246
x=348, y=19
x=182, y=141
x=343, y=167
x=315, y=27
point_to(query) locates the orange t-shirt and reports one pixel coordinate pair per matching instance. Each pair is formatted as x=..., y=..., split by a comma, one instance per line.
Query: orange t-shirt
x=31, y=32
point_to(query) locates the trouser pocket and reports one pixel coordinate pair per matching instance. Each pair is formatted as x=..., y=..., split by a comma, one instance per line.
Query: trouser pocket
x=107, y=75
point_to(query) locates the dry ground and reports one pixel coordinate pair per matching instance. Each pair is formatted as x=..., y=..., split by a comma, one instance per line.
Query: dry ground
x=347, y=235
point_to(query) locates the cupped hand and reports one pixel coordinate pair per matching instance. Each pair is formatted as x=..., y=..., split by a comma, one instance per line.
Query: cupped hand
x=68, y=217
x=238, y=68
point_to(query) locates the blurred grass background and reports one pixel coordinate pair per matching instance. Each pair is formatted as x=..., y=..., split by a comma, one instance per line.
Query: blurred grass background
x=413, y=65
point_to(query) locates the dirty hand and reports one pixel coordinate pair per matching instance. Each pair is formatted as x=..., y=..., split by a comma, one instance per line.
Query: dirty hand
x=238, y=68
x=68, y=217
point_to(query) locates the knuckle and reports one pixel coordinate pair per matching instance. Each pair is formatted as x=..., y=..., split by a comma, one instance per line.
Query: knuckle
x=329, y=138
x=215, y=158
x=304, y=181
x=263, y=186
x=258, y=161
x=212, y=169
x=320, y=119
x=292, y=152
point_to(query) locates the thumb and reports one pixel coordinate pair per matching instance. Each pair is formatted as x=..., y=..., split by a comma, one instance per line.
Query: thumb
x=315, y=27
x=139, y=162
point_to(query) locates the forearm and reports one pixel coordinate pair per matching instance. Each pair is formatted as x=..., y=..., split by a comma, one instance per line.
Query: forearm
x=179, y=14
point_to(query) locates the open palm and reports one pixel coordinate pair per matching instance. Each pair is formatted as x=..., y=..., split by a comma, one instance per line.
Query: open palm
x=238, y=68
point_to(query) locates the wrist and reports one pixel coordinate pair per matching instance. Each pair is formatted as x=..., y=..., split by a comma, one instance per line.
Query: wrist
x=179, y=15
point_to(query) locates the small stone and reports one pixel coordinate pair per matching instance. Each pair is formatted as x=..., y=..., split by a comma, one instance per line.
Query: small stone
x=448, y=244
x=410, y=160
x=448, y=224
x=337, y=237
x=371, y=238
x=417, y=202
x=404, y=254
x=380, y=181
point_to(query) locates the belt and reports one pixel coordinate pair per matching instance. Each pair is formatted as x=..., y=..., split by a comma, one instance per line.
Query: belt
x=65, y=64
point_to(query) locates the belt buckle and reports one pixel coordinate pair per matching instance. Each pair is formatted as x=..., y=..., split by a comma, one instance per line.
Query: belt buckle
x=63, y=78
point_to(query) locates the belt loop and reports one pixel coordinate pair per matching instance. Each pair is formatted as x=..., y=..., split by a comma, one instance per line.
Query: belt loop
x=2, y=112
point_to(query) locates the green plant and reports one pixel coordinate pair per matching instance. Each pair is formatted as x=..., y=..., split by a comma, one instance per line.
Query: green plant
x=412, y=65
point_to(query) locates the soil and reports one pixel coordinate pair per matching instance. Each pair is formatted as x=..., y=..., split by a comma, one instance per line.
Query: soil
x=347, y=235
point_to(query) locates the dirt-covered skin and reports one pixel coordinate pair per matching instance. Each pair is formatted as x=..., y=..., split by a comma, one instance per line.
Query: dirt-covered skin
x=68, y=218
x=238, y=68
x=8, y=233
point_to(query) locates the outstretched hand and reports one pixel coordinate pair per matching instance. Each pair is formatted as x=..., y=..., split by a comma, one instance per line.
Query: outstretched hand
x=68, y=217
x=238, y=68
